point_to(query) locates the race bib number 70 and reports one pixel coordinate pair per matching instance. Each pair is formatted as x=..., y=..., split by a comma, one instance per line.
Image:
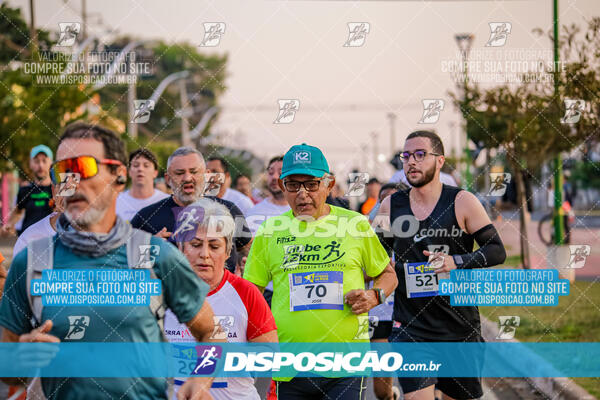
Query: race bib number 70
x=322, y=290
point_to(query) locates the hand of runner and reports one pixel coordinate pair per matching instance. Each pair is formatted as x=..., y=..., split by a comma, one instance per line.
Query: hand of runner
x=195, y=389
x=163, y=234
x=40, y=334
x=443, y=262
x=361, y=301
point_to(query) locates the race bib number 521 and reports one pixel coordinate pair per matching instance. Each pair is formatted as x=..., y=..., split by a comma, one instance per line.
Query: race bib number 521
x=317, y=291
x=420, y=279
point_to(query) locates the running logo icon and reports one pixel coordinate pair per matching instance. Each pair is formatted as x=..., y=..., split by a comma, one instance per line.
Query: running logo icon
x=287, y=111
x=213, y=31
x=187, y=223
x=578, y=256
x=499, y=32
x=68, y=33
x=207, y=359
x=141, y=115
x=358, y=184
x=366, y=327
x=357, y=33
x=437, y=262
x=498, y=183
x=213, y=182
x=508, y=327
x=68, y=183
x=148, y=254
x=77, y=326
x=432, y=108
x=574, y=109
x=223, y=327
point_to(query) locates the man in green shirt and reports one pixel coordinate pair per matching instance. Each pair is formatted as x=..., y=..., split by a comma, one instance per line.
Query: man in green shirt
x=91, y=237
x=317, y=255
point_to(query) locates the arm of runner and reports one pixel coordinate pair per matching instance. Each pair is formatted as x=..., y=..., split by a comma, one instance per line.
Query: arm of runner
x=382, y=226
x=42, y=355
x=202, y=327
x=473, y=219
x=361, y=301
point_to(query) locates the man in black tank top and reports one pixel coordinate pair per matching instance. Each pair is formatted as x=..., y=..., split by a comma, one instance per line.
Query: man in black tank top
x=440, y=224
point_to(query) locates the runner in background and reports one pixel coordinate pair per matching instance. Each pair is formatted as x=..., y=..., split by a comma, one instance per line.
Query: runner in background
x=33, y=199
x=185, y=177
x=243, y=184
x=373, y=187
x=239, y=308
x=272, y=206
x=219, y=165
x=333, y=309
x=440, y=225
x=143, y=169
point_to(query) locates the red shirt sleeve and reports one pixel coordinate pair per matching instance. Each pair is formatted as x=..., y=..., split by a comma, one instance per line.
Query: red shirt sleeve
x=260, y=317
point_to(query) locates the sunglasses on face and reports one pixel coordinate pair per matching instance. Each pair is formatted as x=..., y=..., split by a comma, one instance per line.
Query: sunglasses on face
x=419, y=155
x=294, y=186
x=85, y=166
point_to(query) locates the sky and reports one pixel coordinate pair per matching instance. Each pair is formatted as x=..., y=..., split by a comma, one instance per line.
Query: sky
x=295, y=50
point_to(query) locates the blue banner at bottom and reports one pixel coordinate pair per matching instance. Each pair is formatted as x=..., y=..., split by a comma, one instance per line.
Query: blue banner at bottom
x=300, y=359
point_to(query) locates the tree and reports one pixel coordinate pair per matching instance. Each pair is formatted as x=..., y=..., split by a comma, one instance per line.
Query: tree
x=524, y=120
x=30, y=113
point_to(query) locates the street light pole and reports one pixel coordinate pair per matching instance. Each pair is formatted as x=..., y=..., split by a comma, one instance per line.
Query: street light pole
x=392, y=117
x=464, y=41
x=558, y=174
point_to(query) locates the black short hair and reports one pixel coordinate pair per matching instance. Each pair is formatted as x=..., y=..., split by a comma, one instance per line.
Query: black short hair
x=372, y=181
x=392, y=185
x=274, y=159
x=222, y=161
x=436, y=143
x=237, y=178
x=114, y=148
x=146, y=153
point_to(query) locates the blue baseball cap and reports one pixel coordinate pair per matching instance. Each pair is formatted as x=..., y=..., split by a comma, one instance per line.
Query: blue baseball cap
x=41, y=148
x=303, y=159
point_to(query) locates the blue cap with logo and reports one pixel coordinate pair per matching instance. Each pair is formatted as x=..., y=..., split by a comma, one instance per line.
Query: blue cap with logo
x=303, y=159
x=41, y=148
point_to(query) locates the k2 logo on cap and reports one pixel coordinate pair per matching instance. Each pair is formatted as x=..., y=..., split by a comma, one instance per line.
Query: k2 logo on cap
x=579, y=253
x=142, y=111
x=508, y=326
x=357, y=33
x=207, y=359
x=574, y=109
x=148, y=254
x=358, y=184
x=213, y=182
x=498, y=183
x=432, y=109
x=287, y=111
x=77, y=326
x=68, y=183
x=213, y=31
x=301, y=157
x=499, y=32
x=68, y=33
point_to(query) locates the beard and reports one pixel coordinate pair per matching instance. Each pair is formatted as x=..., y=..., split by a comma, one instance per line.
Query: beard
x=186, y=198
x=91, y=215
x=276, y=193
x=426, y=177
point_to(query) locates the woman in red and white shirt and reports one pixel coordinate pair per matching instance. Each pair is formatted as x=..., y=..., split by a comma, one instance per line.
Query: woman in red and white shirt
x=239, y=308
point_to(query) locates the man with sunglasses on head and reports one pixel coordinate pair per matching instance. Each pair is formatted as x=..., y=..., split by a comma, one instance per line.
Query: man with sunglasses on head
x=92, y=237
x=435, y=225
x=185, y=176
x=313, y=243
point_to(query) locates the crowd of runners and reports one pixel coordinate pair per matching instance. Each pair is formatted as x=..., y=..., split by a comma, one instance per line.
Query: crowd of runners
x=297, y=266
